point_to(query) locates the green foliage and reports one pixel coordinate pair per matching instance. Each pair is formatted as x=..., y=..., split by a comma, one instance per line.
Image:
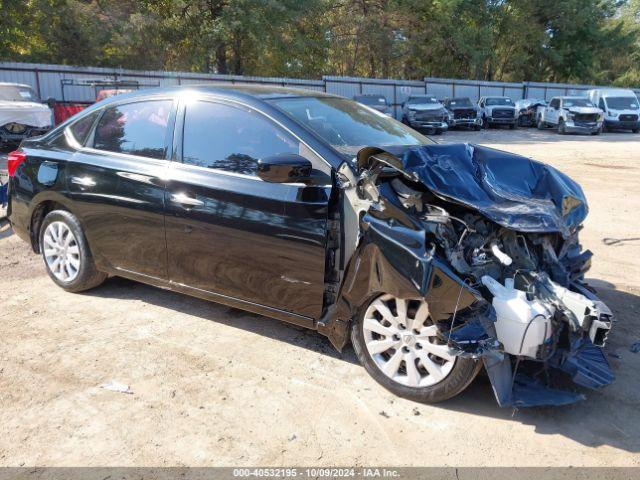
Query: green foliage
x=588, y=41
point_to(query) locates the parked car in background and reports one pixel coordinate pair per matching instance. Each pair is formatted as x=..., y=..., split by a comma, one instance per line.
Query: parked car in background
x=462, y=113
x=620, y=106
x=527, y=111
x=434, y=260
x=571, y=115
x=425, y=112
x=22, y=115
x=377, y=102
x=497, y=111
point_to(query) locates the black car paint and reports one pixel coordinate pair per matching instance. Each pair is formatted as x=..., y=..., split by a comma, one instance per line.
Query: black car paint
x=279, y=229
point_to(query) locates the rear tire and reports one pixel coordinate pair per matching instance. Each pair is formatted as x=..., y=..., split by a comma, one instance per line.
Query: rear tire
x=540, y=124
x=636, y=130
x=562, y=130
x=402, y=352
x=66, y=254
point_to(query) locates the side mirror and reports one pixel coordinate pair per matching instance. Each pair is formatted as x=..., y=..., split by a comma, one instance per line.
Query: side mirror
x=285, y=168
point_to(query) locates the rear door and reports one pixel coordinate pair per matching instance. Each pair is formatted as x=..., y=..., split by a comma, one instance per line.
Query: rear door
x=117, y=181
x=232, y=234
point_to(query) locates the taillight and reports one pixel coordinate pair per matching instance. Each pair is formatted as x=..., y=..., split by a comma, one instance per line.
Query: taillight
x=13, y=160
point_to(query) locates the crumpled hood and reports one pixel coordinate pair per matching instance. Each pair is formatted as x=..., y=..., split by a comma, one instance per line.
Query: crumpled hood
x=512, y=190
x=26, y=113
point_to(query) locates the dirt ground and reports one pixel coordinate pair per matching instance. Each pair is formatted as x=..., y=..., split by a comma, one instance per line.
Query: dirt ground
x=216, y=386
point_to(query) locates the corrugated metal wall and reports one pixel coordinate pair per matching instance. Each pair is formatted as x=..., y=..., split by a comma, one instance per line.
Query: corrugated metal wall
x=47, y=80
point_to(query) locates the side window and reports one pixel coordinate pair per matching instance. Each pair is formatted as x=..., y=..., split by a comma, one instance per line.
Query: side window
x=231, y=138
x=82, y=127
x=135, y=128
x=555, y=103
x=601, y=104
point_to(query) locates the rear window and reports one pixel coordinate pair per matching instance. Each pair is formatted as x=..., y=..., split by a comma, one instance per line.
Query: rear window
x=134, y=128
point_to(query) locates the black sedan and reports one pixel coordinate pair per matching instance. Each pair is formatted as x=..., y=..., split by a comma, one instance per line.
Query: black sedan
x=433, y=260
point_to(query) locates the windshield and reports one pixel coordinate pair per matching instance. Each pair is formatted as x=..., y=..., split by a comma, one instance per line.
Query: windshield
x=346, y=125
x=622, y=103
x=17, y=93
x=460, y=102
x=499, y=101
x=577, y=102
x=370, y=100
x=422, y=101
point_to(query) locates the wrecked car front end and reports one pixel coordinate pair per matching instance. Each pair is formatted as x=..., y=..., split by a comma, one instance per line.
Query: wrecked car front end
x=489, y=242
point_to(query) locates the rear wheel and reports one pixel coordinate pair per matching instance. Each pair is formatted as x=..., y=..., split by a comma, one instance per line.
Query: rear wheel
x=399, y=346
x=540, y=124
x=66, y=254
x=636, y=130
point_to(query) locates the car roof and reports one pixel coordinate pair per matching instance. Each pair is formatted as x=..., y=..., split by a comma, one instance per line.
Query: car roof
x=260, y=92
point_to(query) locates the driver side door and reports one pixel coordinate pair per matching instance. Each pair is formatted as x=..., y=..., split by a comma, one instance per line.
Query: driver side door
x=232, y=235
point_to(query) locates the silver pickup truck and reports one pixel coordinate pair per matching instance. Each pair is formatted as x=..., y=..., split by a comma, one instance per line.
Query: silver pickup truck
x=571, y=115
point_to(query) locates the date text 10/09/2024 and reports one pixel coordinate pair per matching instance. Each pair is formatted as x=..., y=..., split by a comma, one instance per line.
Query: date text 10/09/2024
x=364, y=472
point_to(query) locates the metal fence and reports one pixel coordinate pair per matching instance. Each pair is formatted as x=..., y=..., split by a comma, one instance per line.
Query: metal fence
x=60, y=82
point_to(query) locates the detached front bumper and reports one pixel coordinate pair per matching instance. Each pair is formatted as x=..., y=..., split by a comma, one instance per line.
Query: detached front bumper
x=573, y=127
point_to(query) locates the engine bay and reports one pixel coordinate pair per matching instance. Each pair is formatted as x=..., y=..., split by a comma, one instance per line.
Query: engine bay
x=491, y=241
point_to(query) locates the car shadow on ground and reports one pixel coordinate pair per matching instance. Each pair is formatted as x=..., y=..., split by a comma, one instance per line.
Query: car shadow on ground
x=610, y=417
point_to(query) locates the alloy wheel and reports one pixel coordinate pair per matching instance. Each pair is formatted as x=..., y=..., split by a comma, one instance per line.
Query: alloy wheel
x=403, y=342
x=61, y=251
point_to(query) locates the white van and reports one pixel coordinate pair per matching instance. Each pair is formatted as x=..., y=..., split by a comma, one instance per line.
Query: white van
x=620, y=106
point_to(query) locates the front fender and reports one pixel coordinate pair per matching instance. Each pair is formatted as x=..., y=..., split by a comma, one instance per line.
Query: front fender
x=392, y=257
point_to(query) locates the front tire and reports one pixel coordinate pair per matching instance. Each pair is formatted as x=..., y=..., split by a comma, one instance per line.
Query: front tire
x=66, y=253
x=562, y=130
x=399, y=346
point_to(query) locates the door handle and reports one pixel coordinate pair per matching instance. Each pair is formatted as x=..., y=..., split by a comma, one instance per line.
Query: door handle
x=184, y=199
